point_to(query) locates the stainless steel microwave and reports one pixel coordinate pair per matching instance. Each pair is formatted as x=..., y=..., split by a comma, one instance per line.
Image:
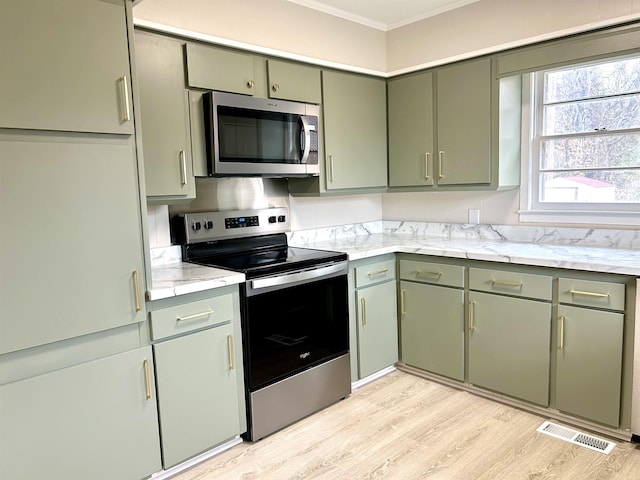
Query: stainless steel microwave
x=248, y=136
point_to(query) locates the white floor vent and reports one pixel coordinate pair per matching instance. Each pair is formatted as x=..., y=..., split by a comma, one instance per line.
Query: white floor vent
x=576, y=437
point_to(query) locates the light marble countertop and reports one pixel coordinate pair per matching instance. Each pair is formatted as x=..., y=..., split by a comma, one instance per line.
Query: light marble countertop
x=593, y=259
x=572, y=249
x=180, y=278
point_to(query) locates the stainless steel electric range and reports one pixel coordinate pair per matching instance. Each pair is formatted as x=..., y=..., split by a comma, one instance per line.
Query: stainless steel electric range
x=294, y=312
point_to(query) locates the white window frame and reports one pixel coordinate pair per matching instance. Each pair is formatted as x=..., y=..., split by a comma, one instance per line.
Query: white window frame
x=534, y=211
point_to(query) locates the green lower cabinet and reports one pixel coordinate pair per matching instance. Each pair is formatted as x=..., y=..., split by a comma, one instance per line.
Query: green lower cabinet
x=377, y=328
x=589, y=363
x=197, y=392
x=432, y=328
x=509, y=346
x=95, y=420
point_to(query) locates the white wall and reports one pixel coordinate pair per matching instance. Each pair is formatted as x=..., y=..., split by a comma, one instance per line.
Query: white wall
x=492, y=25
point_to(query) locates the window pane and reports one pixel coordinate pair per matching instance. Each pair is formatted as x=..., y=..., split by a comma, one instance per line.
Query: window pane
x=612, y=78
x=591, y=151
x=616, y=113
x=602, y=186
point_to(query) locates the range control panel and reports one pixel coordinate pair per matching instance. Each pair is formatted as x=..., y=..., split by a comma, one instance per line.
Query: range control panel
x=207, y=226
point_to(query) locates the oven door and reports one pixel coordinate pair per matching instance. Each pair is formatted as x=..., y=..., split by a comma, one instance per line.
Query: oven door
x=293, y=322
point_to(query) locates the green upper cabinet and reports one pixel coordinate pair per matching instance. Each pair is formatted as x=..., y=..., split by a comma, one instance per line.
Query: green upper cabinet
x=165, y=118
x=355, y=131
x=215, y=68
x=464, y=123
x=411, y=146
x=56, y=77
x=455, y=128
x=290, y=81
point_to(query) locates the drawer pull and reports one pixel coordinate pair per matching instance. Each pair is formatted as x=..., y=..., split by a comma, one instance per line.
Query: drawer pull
x=506, y=283
x=232, y=353
x=364, y=311
x=589, y=294
x=147, y=374
x=195, y=315
x=562, y=317
x=428, y=272
x=183, y=168
x=137, y=290
x=379, y=272
x=426, y=166
x=402, y=310
x=126, y=108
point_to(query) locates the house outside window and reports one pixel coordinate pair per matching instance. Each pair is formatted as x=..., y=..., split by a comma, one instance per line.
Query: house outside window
x=583, y=143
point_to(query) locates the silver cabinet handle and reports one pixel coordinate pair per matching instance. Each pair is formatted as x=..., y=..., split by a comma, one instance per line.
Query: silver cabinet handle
x=232, y=352
x=331, y=178
x=589, y=294
x=426, y=166
x=428, y=272
x=440, y=167
x=506, y=283
x=147, y=374
x=195, y=316
x=183, y=168
x=472, y=313
x=379, y=272
x=403, y=312
x=562, y=318
x=124, y=85
x=364, y=311
x=137, y=290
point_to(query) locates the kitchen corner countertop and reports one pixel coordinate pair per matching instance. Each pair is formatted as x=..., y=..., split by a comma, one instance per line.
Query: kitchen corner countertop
x=592, y=259
x=180, y=278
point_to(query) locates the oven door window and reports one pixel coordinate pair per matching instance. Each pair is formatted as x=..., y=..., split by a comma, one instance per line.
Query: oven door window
x=287, y=331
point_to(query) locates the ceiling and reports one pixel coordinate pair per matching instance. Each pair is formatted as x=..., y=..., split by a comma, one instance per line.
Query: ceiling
x=383, y=14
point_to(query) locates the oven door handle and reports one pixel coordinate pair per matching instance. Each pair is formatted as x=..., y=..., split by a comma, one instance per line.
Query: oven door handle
x=299, y=277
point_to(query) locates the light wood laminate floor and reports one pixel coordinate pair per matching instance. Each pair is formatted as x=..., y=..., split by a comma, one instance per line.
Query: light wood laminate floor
x=405, y=427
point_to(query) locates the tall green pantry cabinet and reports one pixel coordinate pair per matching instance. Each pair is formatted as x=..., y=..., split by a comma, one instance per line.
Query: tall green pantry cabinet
x=77, y=397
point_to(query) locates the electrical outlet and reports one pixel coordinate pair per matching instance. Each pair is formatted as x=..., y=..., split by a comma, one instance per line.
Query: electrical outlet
x=474, y=216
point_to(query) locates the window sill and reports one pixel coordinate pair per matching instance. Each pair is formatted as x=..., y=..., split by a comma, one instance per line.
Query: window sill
x=583, y=218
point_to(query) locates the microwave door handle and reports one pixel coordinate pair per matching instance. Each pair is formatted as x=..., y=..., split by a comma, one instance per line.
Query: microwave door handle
x=306, y=146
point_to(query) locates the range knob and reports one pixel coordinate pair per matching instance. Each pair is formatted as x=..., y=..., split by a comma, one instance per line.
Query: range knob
x=272, y=219
x=208, y=224
x=196, y=226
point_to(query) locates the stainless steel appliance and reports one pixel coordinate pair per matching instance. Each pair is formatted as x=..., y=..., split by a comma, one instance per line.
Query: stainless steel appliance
x=294, y=311
x=258, y=136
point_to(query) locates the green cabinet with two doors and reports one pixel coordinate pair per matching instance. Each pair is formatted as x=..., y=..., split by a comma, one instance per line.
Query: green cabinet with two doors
x=454, y=126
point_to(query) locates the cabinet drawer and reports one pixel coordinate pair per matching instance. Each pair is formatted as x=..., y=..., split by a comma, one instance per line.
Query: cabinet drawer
x=428, y=272
x=591, y=294
x=510, y=283
x=375, y=273
x=190, y=316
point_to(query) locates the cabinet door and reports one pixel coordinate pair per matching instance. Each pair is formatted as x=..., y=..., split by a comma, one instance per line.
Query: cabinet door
x=411, y=148
x=290, y=81
x=464, y=123
x=509, y=343
x=164, y=116
x=219, y=69
x=197, y=392
x=65, y=66
x=96, y=420
x=432, y=328
x=589, y=363
x=71, y=238
x=355, y=130
x=377, y=328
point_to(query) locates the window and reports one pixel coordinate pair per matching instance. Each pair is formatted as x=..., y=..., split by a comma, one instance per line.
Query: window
x=585, y=140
